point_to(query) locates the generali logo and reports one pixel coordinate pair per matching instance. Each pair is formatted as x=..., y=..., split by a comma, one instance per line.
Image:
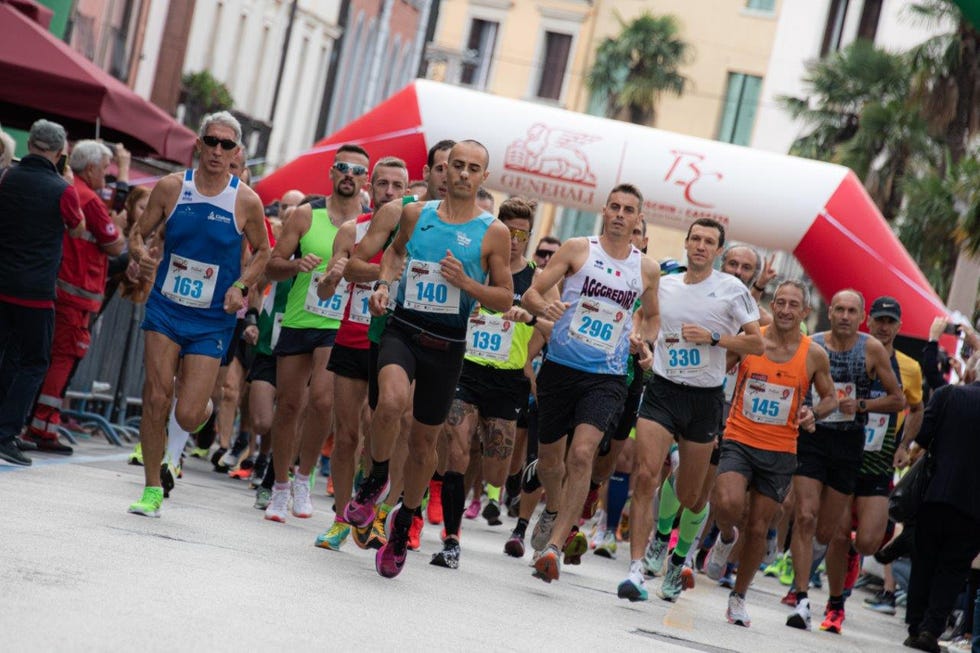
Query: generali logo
x=551, y=163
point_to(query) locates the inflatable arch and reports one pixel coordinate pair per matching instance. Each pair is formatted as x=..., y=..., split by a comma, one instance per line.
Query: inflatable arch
x=818, y=211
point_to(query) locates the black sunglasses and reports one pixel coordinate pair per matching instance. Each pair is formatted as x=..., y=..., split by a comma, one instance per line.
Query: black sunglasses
x=544, y=253
x=214, y=141
x=343, y=168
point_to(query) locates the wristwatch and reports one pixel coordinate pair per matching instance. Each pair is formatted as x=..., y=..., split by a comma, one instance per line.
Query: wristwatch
x=241, y=286
x=715, y=338
x=382, y=282
x=862, y=406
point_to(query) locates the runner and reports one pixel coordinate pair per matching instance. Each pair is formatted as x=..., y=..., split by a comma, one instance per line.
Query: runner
x=202, y=215
x=703, y=313
x=582, y=383
x=830, y=457
x=758, y=453
x=350, y=358
x=308, y=330
x=445, y=250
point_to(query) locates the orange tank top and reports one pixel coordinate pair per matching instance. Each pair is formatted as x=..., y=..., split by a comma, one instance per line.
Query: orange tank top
x=767, y=400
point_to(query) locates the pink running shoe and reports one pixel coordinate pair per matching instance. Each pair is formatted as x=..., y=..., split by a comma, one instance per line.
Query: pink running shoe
x=390, y=558
x=473, y=510
x=360, y=509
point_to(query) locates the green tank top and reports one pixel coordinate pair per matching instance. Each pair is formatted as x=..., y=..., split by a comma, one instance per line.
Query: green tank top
x=303, y=309
x=517, y=355
x=271, y=315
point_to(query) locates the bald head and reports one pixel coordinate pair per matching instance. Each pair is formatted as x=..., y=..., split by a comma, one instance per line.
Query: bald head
x=290, y=198
x=846, y=296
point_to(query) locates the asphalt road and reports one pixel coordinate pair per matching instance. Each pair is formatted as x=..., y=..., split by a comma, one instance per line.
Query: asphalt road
x=80, y=574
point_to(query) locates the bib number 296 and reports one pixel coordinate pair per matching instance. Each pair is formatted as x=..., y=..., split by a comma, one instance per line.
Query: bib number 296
x=596, y=328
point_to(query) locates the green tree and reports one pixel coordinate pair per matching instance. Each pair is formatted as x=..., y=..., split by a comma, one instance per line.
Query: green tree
x=633, y=70
x=202, y=94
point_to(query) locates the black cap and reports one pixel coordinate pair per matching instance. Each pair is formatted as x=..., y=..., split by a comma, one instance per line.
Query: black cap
x=886, y=307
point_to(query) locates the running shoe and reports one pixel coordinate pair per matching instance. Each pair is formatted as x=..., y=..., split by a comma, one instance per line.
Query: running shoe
x=775, y=568
x=513, y=504
x=415, y=533
x=787, y=574
x=473, y=510
x=834, y=621
x=548, y=565
x=598, y=529
x=514, y=546
x=675, y=581
x=376, y=536
x=330, y=486
x=596, y=537
x=335, y=536
x=771, y=552
x=167, y=481
x=542, y=530
x=136, y=458
x=390, y=558
x=591, y=501
x=790, y=598
x=433, y=511
x=200, y=452
x=607, y=548
x=728, y=580
x=491, y=512
x=216, y=458
x=278, y=506
x=262, y=497
x=801, y=615
x=736, y=613
x=448, y=557
x=634, y=587
x=576, y=545
x=360, y=509
x=655, y=557
x=258, y=471
x=231, y=458
x=363, y=536
x=714, y=566
x=623, y=530
x=302, y=503
x=324, y=465
x=149, y=504
x=883, y=602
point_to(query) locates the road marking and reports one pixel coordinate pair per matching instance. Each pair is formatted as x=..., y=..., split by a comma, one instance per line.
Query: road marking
x=65, y=460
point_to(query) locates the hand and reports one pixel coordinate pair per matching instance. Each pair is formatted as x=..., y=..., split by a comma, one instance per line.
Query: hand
x=234, y=301
x=150, y=262
x=768, y=273
x=636, y=342
x=452, y=270
x=936, y=328
x=695, y=334
x=378, y=303
x=517, y=314
x=327, y=285
x=645, y=357
x=901, y=458
x=848, y=406
x=308, y=263
x=251, y=334
x=555, y=310
x=806, y=419
x=337, y=269
x=123, y=159
x=119, y=219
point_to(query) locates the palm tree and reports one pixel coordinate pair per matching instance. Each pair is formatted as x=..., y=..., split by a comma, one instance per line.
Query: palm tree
x=637, y=67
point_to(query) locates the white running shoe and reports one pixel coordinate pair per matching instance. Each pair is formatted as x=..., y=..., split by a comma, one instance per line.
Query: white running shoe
x=302, y=503
x=801, y=615
x=278, y=506
x=718, y=557
x=655, y=557
x=737, y=613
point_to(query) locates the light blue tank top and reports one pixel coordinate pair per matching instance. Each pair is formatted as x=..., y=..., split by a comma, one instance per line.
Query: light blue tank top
x=423, y=293
x=201, y=256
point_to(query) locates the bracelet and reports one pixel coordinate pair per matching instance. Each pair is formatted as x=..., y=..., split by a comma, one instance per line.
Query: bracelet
x=533, y=321
x=250, y=320
x=241, y=286
x=382, y=282
x=762, y=289
x=252, y=312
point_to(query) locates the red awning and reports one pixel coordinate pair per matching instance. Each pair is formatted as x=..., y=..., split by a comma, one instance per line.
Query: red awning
x=42, y=77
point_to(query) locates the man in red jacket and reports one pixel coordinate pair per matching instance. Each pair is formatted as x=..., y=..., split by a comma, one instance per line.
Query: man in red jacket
x=80, y=284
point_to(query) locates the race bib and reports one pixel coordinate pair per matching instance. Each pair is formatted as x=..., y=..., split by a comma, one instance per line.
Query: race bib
x=598, y=323
x=276, y=328
x=489, y=336
x=731, y=378
x=683, y=356
x=427, y=290
x=844, y=391
x=875, y=430
x=332, y=307
x=767, y=403
x=189, y=282
x=360, y=300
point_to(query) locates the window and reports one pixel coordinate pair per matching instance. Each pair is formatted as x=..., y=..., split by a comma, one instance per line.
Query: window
x=738, y=112
x=557, y=47
x=483, y=39
x=835, y=27
x=766, y=6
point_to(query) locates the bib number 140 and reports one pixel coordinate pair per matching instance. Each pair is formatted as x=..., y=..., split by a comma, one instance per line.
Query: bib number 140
x=432, y=292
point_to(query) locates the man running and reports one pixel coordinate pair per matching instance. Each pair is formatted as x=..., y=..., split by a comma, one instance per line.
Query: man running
x=830, y=457
x=582, y=383
x=445, y=251
x=758, y=453
x=202, y=215
x=704, y=314
x=309, y=328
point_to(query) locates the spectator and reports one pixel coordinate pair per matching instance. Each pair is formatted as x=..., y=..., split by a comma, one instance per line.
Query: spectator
x=947, y=534
x=80, y=286
x=36, y=204
x=7, y=146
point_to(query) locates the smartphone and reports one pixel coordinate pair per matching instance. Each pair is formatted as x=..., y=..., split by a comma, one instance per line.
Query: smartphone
x=953, y=329
x=62, y=162
x=119, y=197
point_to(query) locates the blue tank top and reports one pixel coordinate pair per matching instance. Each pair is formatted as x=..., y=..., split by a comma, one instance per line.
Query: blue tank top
x=593, y=334
x=424, y=296
x=201, y=256
x=847, y=367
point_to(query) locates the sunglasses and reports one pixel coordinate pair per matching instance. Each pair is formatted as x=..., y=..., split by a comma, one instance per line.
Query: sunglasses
x=519, y=234
x=354, y=169
x=544, y=253
x=213, y=141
